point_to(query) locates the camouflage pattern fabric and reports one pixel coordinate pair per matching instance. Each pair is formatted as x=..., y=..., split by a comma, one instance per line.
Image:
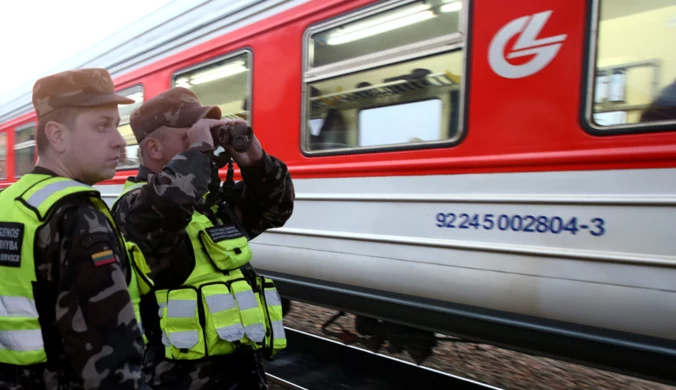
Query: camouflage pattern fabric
x=240, y=371
x=75, y=88
x=156, y=217
x=177, y=107
x=86, y=312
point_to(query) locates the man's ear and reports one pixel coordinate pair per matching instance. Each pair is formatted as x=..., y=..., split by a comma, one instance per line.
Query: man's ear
x=56, y=134
x=153, y=148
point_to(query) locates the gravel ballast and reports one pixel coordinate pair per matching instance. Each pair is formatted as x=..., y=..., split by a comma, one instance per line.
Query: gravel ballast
x=485, y=363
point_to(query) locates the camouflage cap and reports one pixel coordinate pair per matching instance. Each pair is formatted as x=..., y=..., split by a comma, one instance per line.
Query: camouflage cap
x=176, y=107
x=75, y=88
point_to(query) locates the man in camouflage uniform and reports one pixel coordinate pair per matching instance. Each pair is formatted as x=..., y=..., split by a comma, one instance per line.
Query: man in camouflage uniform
x=91, y=336
x=173, y=131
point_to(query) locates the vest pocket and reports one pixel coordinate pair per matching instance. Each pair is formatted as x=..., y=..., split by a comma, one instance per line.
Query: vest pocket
x=275, y=339
x=226, y=254
x=223, y=323
x=182, y=324
x=249, y=310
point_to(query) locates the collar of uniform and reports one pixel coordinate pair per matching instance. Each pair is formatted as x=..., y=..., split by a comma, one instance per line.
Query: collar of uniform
x=38, y=170
x=143, y=174
x=43, y=171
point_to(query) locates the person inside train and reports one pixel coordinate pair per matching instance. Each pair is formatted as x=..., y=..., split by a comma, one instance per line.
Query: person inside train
x=664, y=106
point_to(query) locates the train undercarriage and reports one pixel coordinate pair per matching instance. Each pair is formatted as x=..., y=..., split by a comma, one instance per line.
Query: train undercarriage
x=414, y=325
x=377, y=334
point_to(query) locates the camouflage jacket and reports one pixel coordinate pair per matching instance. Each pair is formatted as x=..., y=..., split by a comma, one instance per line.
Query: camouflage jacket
x=156, y=216
x=86, y=312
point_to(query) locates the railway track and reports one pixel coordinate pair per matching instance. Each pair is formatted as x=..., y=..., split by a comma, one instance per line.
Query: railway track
x=277, y=383
x=313, y=362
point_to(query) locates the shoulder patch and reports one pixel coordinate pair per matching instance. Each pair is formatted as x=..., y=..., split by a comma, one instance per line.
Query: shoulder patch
x=103, y=258
x=11, y=239
x=223, y=232
x=95, y=238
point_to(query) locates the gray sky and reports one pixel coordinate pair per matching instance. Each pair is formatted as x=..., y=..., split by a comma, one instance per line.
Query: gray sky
x=37, y=35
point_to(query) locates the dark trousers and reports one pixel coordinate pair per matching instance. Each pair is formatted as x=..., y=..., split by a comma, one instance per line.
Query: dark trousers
x=243, y=370
x=38, y=377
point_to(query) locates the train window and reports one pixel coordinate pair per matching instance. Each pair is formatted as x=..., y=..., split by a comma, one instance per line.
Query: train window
x=384, y=77
x=632, y=82
x=131, y=157
x=3, y=156
x=400, y=123
x=24, y=150
x=224, y=82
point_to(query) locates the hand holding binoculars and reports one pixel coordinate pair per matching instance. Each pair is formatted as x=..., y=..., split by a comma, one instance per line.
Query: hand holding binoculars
x=236, y=134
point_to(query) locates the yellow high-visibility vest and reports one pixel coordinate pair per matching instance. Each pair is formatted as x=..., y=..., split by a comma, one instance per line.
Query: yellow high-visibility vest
x=26, y=206
x=217, y=308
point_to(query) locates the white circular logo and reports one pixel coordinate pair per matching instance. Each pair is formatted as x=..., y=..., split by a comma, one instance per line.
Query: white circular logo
x=545, y=49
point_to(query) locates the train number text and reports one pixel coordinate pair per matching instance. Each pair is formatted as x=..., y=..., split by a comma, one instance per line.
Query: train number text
x=521, y=223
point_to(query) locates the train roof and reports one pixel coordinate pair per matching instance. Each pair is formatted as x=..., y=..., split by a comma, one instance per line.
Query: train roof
x=172, y=28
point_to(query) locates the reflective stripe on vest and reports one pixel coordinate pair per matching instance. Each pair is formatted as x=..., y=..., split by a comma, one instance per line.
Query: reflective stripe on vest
x=18, y=307
x=274, y=302
x=250, y=311
x=223, y=309
x=212, y=312
x=28, y=202
x=184, y=315
x=40, y=196
x=20, y=340
x=181, y=323
x=275, y=339
x=25, y=204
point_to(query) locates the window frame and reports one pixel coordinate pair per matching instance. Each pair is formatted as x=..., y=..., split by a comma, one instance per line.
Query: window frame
x=589, y=74
x=24, y=145
x=123, y=123
x=446, y=44
x=230, y=54
x=5, y=133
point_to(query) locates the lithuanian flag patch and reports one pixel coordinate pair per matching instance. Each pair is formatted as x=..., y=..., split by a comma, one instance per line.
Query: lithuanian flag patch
x=103, y=258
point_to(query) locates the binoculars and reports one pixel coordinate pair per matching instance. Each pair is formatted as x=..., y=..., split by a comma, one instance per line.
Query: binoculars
x=237, y=135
